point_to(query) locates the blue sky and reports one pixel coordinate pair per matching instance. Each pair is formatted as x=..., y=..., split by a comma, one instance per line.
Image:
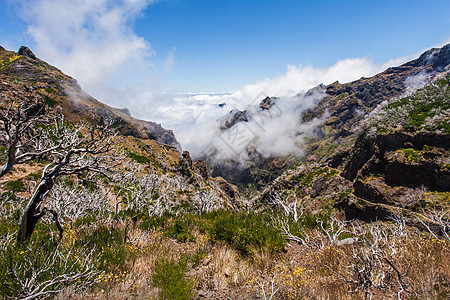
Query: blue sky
x=223, y=45
x=156, y=57
x=232, y=42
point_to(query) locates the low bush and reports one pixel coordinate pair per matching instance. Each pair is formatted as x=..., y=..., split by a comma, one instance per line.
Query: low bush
x=111, y=250
x=41, y=267
x=180, y=230
x=170, y=277
x=247, y=232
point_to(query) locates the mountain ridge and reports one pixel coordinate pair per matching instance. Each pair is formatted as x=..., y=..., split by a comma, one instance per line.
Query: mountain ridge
x=364, y=214
x=342, y=112
x=75, y=103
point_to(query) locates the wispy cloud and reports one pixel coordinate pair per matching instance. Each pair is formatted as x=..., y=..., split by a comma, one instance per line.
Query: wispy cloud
x=95, y=42
x=91, y=40
x=195, y=117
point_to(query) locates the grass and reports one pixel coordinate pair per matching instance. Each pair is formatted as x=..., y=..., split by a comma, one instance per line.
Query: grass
x=241, y=254
x=138, y=158
x=15, y=186
x=170, y=277
x=247, y=232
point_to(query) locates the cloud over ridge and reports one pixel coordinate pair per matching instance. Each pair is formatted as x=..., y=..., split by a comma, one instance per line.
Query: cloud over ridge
x=95, y=42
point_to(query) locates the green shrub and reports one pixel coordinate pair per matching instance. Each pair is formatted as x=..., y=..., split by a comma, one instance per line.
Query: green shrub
x=15, y=186
x=423, y=107
x=247, y=232
x=180, y=230
x=39, y=260
x=88, y=218
x=154, y=222
x=170, y=277
x=198, y=256
x=138, y=158
x=111, y=251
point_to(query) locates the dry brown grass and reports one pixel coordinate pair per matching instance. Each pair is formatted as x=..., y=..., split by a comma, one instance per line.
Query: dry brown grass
x=302, y=272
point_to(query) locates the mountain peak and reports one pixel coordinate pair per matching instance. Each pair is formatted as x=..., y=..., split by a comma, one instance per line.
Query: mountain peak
x=25, y=51
x=437, y=58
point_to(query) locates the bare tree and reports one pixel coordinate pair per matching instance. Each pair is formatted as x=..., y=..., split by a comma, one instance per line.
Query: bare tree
x=73, y=202
x=42, y=275
x=19, y=131
x=368, y=264
x=440, y=223
x=206, y=200
x=76, y=150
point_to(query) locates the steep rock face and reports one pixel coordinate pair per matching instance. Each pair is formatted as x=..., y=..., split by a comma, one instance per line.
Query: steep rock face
x=342, y=110
x=25, y=51
x=378, y=153
x=348, y=103
x=235, y=116
x=384, y=168
x=310, y=187
x=39, y=78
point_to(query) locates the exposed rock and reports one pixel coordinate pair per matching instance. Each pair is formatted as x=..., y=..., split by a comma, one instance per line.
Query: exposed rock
x=235, y=116
x=360, y=209
x=125, y=111
x=25, y=51
x=185, y=167
x=438, y=59
x=347, y=241
x=230, y=190
x=345, y=101
x=200, y=167
x=75, y=104
x=267, y=102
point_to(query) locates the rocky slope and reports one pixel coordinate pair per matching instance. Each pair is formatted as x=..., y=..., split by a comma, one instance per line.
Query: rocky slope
x=145, y=146
x=399, y=163
x=23, y=72
x=342, y=111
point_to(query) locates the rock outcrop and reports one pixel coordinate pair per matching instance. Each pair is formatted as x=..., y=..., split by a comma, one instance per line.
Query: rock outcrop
x=25, y=51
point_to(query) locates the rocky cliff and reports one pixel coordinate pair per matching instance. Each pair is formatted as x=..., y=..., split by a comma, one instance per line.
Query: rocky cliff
x=343, y=112
x=399, y=162
x=23, y=72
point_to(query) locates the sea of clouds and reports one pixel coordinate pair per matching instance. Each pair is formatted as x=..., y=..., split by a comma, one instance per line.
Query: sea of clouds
x=94, y=41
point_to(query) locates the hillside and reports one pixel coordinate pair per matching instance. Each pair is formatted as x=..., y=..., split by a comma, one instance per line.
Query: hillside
x=363, y=214
x=25, y=73
x=340, y=114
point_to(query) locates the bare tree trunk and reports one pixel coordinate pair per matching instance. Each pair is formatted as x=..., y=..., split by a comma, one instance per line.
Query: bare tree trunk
x=33, y=213
x=8, y=166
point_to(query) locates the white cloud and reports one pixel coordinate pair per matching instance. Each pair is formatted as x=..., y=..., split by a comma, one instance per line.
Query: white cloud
x=91, y=40
x=94, y=41
x=194, y=117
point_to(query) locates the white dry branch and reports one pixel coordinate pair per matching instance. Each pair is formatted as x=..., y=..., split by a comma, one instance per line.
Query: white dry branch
x=76, y=150
x=20, y=133
x=268, y=295
x=441, y=219
x=72, y=201
x=368, y=264
x=56, y=271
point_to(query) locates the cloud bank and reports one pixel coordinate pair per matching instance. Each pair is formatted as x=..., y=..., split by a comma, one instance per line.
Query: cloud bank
x=94, y=41
x=195, y=118
x=91, y=40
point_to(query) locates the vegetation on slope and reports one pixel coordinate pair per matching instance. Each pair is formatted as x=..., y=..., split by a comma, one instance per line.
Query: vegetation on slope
x=156, y=226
